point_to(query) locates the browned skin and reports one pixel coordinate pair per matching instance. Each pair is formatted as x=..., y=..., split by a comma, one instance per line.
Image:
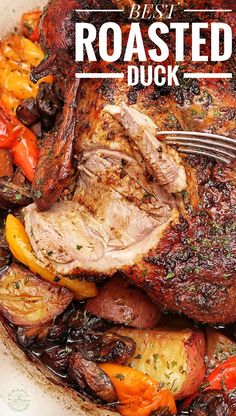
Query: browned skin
x=55, y=166
x=193, y=269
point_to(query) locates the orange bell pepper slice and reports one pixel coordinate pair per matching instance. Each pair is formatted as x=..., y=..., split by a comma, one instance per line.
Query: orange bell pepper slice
x=21, y=249
x=138, y=394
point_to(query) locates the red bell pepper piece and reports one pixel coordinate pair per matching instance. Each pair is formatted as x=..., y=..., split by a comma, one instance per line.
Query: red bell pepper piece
x=22, y=142
x=223, y=377
x=6, y=134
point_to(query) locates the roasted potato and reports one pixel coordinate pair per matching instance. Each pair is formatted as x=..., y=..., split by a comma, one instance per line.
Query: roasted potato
x=122, y=303
x=26, y=300
x=173, y=357
x=219, y=348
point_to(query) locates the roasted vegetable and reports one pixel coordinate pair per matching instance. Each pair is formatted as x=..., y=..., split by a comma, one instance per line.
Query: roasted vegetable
x=17, y=55
x=223, y=377
x=22, y=142
x=212, y=403
x=122, y=303
x=6, y=165
x=102, y=347
x=21, y=249
x=175, y=358
x=27, y=112
x=57, y=358
x=30, y=25
x=88, y=374
x=26, y=300
x=219, y=348
x=6, y=130
x=5, y=256
x=13, y=194
x=47, y=100
x=138, y=393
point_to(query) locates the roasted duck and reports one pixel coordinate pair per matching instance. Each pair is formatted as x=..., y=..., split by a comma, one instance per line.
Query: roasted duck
x=166, y=221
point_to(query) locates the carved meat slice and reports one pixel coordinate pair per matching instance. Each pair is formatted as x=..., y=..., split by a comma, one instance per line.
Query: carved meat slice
x=116, y=217
x=162, y=162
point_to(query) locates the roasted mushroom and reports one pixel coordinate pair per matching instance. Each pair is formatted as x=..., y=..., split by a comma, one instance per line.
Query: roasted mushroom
x=212, y=403
x=11, y=194
x=27, y=112
x=107, y=347
x=5, y=256
x=88, y=374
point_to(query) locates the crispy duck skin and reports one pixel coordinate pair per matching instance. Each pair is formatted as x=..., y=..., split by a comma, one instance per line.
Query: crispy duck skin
x=192, y=268
x=55, y=167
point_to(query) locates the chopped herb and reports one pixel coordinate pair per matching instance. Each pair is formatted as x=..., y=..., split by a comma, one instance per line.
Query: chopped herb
x=155, y=358
x=49, y=253
x=194, y=248
x=138, y=356
x=144, y=273
x=18, y=197
x=16, y=285
x=170, y=275
x=57, y=279
x=205, y=385
x=79, y=247
x=37, y=194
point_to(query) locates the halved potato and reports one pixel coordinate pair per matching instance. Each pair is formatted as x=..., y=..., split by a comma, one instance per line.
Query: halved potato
x=26, y=300
x=173, y=357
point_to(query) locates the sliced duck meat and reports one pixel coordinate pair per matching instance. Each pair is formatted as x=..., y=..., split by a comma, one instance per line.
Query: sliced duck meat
x=72, y=240
x=117, y=173
x=116, y=216
x=162, y=162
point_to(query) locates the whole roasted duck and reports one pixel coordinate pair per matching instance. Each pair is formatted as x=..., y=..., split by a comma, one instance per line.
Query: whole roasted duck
x=165, y=221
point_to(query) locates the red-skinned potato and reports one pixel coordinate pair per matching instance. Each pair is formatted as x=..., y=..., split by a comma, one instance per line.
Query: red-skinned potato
x=26, y=300
x=173, y=357
x=219, y=348
x=122, y=303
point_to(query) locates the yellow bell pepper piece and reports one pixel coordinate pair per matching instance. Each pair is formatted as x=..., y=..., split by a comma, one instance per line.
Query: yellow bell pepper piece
x=17, y=55
x=21, y=249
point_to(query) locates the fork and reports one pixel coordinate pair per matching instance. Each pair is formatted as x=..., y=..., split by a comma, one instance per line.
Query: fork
x=221, y=148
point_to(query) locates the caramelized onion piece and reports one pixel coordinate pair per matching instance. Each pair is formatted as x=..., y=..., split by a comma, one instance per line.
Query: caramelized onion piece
x=26, y=300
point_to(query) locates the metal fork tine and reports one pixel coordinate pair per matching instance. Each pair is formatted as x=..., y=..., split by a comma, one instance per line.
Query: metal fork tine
x=197, y=134
x=205, y=144
x=207, y=154
x=196, y=146
x=185, y=140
